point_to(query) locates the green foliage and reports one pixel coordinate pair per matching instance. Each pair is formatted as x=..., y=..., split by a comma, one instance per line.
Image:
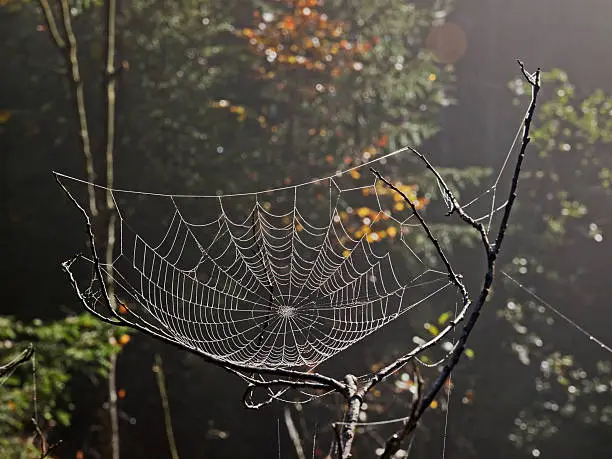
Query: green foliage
x=572, y=135
x=76, y=346
x=564, y=387
x=565, y=185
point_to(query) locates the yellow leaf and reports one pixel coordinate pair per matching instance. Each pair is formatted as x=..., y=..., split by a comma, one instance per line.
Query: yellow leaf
x=5, y=115
x=432, y=329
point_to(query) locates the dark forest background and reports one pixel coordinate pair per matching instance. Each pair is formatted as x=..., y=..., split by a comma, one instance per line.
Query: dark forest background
x=207, y=101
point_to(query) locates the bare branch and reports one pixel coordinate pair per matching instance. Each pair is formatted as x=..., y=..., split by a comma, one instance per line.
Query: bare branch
x=9, y=367
x=161, y=385
x=492, y=251
x=534, y=81
x=111, y=84
x=111, y=218
x=72, y=63
x=294, y=435
x=113, y=412
x=45, y=448
x=455, y=278
x=52, y=25
x=394, y=442
x=400, y=362
x=455, y=206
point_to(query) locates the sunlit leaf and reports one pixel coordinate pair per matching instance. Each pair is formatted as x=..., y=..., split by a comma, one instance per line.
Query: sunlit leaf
x=432, y=329
x=443, y=318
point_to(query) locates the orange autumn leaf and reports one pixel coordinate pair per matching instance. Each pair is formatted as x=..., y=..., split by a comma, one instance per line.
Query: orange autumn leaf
x=383, y=141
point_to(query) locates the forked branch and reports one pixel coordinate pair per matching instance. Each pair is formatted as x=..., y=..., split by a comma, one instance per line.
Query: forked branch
x=25, y=355
x=492, y=251
x=67, y=45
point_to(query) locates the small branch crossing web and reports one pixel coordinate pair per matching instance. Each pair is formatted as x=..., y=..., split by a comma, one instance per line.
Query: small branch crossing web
x=262, y=279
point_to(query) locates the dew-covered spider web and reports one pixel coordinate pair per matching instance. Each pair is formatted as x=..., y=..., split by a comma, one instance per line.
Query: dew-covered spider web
x=280, y=278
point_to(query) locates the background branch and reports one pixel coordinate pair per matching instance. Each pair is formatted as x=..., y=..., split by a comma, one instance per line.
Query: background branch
x=68, y=47
x=161, y=386
x=294, y=435
x=23, y=357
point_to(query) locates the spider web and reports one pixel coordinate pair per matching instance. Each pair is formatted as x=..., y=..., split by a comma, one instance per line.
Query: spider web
x=264, y=279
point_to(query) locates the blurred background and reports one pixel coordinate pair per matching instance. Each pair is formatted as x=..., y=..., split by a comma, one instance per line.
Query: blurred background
x=240, y=95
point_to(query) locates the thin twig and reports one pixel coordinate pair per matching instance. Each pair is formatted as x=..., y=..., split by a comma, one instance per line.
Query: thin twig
x=534, y=81
x=111, y=85
x=455, y=206
x=161, y=386
x=52, y=25
x=294, y=435
x=45, y=449
x=337, y=446
x=70, y=54
x=23, y=357
x=113, y=412
x=455, y=278
x=394, y=442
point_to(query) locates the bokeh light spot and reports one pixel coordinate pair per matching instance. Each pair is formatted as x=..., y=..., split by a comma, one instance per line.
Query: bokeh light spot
x=448, y=42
